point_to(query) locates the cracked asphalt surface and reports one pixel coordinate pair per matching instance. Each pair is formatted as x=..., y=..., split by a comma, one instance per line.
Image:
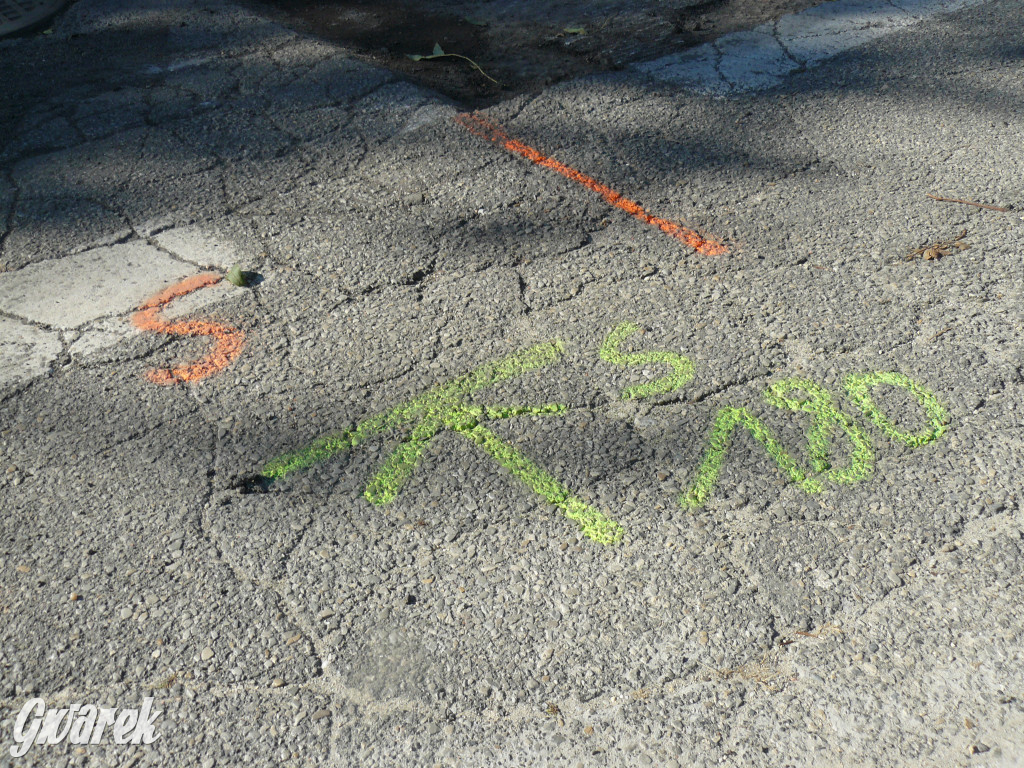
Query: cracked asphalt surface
x=469, y=622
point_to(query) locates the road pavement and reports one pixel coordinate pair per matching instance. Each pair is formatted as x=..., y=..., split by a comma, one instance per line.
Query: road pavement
x=639, y=421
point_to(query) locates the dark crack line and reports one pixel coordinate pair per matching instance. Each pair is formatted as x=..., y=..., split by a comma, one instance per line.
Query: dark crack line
x=719, y=57
x=285, y=557
x=207, y=508
x=801, y=65
x=9, y=218
x=108, y=206
x=19, y=389
x=808, y=139
x=527, y=102
x=524, y=288
x=25, y=321
x=725, y=387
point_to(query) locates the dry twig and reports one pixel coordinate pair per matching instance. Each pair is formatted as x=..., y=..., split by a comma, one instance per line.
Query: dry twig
x=968, y=202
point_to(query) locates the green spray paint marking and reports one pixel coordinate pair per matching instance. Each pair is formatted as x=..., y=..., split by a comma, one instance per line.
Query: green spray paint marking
x=682, y=368
x=819, y=437
x=819, y=442
x=858, y=386
x=594, y=524
x=446, y=406
x=726, y=420
x=827, y=418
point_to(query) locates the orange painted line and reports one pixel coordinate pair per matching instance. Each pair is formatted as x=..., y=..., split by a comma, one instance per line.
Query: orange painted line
x=229, y=340
x=480, y=126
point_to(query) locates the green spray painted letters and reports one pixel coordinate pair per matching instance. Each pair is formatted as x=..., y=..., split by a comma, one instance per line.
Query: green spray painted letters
x=858, y=386
x=682, y=368
x=827, y=421
x=446, y=406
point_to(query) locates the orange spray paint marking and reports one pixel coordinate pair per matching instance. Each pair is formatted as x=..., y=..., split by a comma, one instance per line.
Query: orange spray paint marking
x=229, y=340
x=480, y=126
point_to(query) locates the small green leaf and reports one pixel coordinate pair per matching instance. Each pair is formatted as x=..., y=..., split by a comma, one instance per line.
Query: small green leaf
x=414, y=56
x=235, y=276
x=575, y=30
x=438, y=50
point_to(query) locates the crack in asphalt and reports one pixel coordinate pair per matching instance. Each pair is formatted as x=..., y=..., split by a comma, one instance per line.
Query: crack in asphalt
x=274, y=588
x=721, y=388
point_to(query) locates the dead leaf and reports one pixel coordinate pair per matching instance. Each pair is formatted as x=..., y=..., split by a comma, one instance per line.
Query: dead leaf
x=236, y=276
x=942, y=248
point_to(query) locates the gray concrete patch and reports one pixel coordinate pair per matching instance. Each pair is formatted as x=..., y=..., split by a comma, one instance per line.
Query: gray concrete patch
x=829, y=29
x=753, y=60
x=762, y=57
x=201, y=247
x=25, y=352
x=98, y=337
x=696, y=69
x=98, y=283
